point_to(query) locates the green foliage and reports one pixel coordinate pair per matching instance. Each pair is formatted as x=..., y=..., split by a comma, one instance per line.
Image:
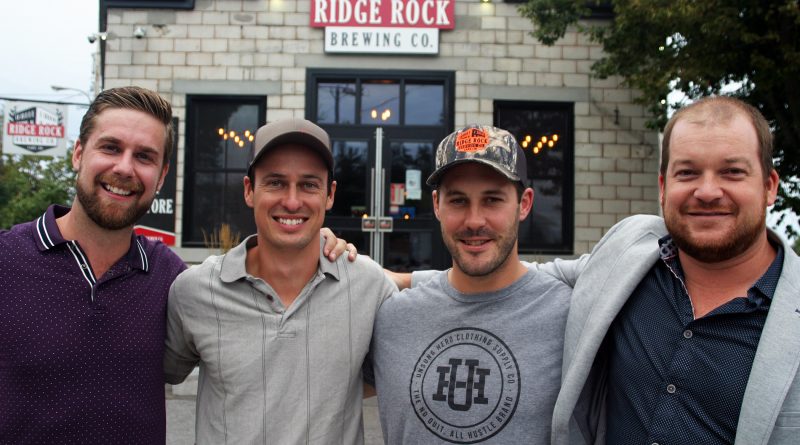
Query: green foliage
x=28, y=184
x=699, y=48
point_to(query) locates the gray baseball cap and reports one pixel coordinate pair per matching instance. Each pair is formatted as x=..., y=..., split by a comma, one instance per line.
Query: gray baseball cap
x=292, y=131
x=487, y=145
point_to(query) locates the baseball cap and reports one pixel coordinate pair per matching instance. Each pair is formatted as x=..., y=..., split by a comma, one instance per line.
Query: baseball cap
x=292, y=131
x=488, y=145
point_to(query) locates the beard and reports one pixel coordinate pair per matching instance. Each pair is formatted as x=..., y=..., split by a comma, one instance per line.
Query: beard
x=505, y=245
x=111, y=216
x=729, y=244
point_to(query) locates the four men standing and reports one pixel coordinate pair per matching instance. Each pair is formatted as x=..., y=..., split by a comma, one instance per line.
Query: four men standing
x=680, y=330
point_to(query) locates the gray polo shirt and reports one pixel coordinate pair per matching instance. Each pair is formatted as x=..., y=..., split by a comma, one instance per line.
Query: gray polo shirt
x=269, y=374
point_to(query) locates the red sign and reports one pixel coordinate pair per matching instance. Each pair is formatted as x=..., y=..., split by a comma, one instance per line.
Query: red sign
x=39, y=130
x=384, y=13
x=153, y=234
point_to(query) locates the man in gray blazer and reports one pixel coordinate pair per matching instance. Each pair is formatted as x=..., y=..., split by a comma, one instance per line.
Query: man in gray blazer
x=686, y=329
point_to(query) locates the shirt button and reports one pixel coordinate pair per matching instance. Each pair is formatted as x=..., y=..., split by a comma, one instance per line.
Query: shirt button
x=687, y=333
x=671, y=388
x=654, y=443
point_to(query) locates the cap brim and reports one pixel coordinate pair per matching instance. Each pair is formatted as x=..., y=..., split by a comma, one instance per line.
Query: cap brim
x=436, y=177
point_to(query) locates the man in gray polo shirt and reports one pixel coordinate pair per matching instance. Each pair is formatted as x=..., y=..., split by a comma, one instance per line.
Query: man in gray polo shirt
x=279, y=335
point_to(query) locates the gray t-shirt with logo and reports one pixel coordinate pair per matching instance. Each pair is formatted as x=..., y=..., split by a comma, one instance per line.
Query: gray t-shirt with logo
x=470, y=368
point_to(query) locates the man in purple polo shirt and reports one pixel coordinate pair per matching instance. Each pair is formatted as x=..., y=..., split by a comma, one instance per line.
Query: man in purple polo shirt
x=83, y=299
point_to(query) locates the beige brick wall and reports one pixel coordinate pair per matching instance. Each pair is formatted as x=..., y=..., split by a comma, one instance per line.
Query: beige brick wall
x=265, y=46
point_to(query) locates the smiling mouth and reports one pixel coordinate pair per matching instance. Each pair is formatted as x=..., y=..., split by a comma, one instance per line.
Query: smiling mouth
x=117, y=190
x=290, y=221
x=475, y=243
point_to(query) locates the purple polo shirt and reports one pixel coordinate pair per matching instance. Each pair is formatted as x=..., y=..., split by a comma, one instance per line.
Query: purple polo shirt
x=80, y=355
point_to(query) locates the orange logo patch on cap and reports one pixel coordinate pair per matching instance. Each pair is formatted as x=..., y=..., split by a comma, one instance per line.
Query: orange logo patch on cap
x=473, y=139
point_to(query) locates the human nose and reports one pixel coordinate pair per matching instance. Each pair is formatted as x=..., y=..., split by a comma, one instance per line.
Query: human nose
x=475, y=217
x=291, y=200
x=123, y=165
x=708, y=189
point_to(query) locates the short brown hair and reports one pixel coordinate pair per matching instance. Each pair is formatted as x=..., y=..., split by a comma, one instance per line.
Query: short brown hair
x=130, y=98
x=719, y=110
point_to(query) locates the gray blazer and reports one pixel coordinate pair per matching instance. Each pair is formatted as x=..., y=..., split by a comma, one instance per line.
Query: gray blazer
x=770, y=411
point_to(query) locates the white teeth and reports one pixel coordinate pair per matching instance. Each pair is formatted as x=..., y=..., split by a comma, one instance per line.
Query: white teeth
x=474, y=243
x=290, y=222
x=117, y=191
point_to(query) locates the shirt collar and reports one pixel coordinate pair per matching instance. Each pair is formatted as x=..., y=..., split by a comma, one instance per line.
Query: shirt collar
x=766, y=285
x=48, y=236
x=234, y=263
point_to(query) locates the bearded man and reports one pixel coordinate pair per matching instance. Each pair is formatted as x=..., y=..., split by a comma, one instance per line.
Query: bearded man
x=83, y=299
x=474, y=354
x=687, y=329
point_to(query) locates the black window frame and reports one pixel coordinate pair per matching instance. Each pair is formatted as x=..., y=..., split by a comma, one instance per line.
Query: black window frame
x=189, y=153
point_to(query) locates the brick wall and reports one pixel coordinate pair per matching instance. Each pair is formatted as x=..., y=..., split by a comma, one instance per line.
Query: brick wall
x=265, y=46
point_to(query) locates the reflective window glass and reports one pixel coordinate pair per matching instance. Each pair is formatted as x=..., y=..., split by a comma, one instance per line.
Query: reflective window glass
x=412, y=163
x=380, y=103
x=336, y=103
x=351, y=175
x=220, y=133
x=544, y=131
x=424, y=104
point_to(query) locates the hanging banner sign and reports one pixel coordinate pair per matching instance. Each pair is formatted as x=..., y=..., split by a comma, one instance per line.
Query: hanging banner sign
x=383, y=26
x=33, y=128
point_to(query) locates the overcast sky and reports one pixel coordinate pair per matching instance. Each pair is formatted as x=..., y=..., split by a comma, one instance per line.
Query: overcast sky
x=43, y=43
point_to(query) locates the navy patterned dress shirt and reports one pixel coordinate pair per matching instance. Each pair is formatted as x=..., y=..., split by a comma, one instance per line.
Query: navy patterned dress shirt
x=674, y=379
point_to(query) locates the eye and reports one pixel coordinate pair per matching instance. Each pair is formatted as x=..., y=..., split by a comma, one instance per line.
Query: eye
x=735, y=171
x=685, y=173
x=311, y=186
x=273, y=183
x=457, y=201
x=145, y=156
x=110, y=148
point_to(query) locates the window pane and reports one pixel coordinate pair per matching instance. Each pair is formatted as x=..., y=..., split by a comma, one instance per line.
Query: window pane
x=336, y=103
x=217, y=127
x=424, y=104
x=218, y=134
x=380, y=103
x=351, y=175
x=544, y=132
x=412, y=163
x=206, y=194
x=408, y=251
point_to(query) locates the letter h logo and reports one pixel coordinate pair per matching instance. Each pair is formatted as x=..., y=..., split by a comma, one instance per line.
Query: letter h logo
x=447, y=379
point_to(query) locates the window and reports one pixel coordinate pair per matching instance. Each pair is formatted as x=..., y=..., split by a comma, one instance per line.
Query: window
x=219, y=146
x=545, y=132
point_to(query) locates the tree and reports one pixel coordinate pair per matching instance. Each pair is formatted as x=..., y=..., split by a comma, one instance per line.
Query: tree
x=28, y=184
x=698, y=48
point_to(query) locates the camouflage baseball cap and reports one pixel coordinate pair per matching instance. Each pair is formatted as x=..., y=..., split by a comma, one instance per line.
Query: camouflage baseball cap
x=492, y=146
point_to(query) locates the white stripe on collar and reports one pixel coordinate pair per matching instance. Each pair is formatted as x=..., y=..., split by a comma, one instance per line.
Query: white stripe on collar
x=41, y=230
x=143, y=255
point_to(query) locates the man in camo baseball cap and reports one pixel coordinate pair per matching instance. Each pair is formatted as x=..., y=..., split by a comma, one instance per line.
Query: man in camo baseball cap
x=488, y=145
